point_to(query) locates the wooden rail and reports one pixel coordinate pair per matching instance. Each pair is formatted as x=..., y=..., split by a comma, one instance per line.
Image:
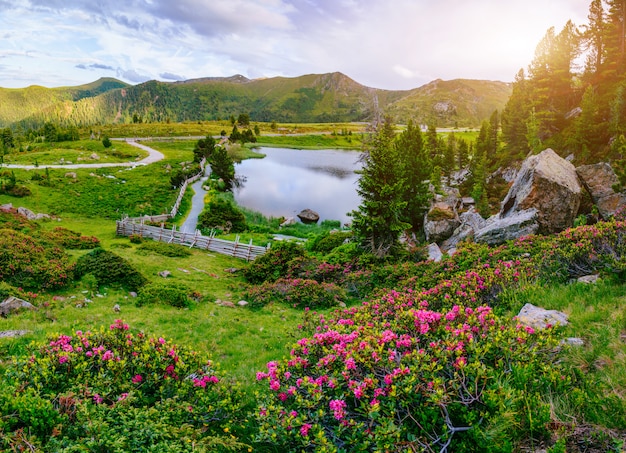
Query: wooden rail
x=136, y=226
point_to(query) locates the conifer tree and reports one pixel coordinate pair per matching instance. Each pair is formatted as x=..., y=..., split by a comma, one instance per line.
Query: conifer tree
x=414, y=166
x=378, y=220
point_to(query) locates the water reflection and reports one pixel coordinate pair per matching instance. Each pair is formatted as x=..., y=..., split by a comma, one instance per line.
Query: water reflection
x=287, y=181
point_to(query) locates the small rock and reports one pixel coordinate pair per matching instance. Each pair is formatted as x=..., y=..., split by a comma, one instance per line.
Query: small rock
x=434, y=252
x=165, y=274
x=13, y=304
x=588, y=279
x=231, y=270
x=88, y=300
x=225, y=303
x=573, y=341
x=242, y=303
x=132, y=294
x=116, y=308
x=540, y=318
x=70, y=174
x=99, y=295
x=13, y=333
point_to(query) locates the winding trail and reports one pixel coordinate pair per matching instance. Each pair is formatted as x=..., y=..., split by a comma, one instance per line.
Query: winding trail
x=153, y=156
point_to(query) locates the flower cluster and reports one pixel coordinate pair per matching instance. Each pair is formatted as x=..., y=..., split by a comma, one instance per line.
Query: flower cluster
x=117, y=369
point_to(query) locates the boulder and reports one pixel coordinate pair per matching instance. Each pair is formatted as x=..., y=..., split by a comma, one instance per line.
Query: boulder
x=13, y=305
x=440, y=222
x=25, y=212
x=498, y=229
x=308, y=216
x=165, y=274
x=548, y=184
x=540, y=318
x=434, y=252
x=290, y=221
x=599, y=180
x=471, y=222
x=588, y=279
x=70, y=174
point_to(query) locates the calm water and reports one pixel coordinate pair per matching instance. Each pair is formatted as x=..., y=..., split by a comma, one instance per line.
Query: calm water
x=287, y=181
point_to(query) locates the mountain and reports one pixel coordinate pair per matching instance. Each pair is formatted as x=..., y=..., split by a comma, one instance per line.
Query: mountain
x=331, y=97
x=18, y=104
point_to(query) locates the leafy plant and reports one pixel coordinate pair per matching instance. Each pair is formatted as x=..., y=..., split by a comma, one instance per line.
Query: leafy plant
x=109, y=269
x=173, y=294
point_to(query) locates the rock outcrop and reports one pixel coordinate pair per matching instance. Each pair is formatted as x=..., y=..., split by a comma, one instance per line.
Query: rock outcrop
x=498, y=229
x=548, y=184
x=599, y=180
x=440, y=222
x=308, y=216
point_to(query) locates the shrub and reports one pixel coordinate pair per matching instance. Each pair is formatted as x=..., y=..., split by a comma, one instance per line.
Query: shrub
x=32, y=263
x=135, y=239
x=220, y=213
x=72, y=239
x=297, y=292
x=109, y=269
x=173, y=294
x=426, y=380
x=165, y=249
x=326, y=242
x=118, y=390
x=274, y=264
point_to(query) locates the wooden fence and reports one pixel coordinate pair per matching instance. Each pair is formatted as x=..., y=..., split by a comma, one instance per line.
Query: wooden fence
x=137, y=225
x=128, y=226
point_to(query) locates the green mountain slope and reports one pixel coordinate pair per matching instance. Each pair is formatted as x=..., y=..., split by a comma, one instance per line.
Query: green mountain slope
x=331, y=97
x=17, y=104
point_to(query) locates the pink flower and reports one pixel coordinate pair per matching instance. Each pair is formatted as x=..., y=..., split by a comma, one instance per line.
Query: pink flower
x=137, y=379
x=304, y=429
x=63, y=359
x=108, y=355
x=97, y=399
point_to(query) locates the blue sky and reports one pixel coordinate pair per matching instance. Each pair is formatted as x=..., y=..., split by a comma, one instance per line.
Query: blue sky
x=392, y=44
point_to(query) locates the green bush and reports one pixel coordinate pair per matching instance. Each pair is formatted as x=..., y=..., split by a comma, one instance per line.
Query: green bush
x=109, y=269
x=274, y=264
x=220, y=213
x=173, y=294
x=296, y=292
x=165, y=249
x=32, y=263
x=72, y=239
x=326, y=242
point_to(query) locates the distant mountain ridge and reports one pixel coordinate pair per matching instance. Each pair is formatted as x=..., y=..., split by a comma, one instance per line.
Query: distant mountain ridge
x=330, y=97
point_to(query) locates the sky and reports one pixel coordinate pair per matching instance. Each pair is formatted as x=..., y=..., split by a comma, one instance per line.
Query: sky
x=386, y=44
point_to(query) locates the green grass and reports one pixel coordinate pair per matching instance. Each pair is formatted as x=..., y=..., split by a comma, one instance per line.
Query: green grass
x=322, y=141
x=76, y=152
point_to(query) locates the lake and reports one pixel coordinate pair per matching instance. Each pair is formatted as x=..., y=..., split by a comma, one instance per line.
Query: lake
x=287, y=181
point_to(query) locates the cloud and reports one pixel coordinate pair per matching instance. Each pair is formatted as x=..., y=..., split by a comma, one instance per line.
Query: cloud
x=170, y=76
x=132, y=75
x=95, y=66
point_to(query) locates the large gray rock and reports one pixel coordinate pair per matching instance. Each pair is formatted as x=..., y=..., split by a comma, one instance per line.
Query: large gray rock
x=549, y=184
x=471, y=222
x=434, y=252
x=308, y=216
x=498, y=229
x=599, y=180
x=440, y=222
x=13, y=305
x=540, y=318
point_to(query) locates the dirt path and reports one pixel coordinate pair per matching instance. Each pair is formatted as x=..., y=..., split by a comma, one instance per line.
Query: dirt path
x=153, y=156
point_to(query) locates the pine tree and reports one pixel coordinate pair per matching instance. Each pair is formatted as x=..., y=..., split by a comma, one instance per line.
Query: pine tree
x=378, y=220
x=222, y=166
x=415, y=168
